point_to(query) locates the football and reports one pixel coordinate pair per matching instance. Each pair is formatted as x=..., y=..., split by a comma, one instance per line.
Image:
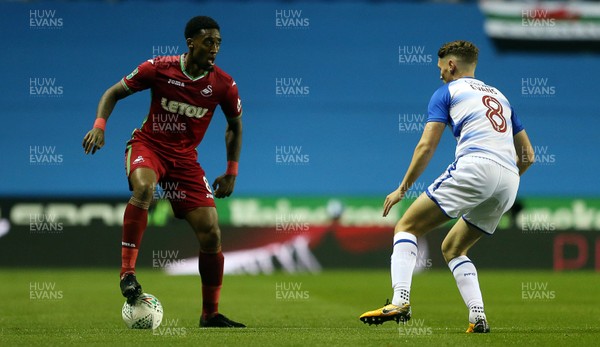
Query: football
x=146, y=313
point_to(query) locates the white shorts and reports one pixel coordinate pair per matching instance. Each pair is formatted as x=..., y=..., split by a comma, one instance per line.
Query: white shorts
x=478, y=189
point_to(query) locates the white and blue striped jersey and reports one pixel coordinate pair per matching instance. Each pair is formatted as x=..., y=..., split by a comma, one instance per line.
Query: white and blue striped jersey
x=482, y=120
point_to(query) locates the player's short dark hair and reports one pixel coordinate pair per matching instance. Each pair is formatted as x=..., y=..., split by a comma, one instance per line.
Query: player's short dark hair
x=198, y=23
x=463, y=50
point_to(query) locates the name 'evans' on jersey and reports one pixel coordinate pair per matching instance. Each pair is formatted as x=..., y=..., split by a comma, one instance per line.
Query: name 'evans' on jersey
x=478, y=85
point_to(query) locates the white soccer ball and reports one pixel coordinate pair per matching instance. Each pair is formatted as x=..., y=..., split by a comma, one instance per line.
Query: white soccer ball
x=146, y=313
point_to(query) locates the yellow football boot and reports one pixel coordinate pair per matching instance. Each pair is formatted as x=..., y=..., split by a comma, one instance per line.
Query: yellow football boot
x=481, y=326
x=387, y=313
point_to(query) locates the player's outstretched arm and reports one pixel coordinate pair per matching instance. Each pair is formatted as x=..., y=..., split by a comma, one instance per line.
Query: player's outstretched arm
x=525, y=152
x=94, y=139
x=224, y=184
x=422, y=155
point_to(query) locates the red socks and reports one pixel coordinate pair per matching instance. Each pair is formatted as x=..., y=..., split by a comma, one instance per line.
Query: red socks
x=134, y=225
x=210, y=266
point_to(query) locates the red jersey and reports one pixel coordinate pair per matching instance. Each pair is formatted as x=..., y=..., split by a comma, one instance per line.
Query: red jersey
x=181, y=107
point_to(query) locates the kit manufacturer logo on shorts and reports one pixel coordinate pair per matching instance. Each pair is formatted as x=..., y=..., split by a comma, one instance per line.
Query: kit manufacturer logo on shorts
x=206, y=92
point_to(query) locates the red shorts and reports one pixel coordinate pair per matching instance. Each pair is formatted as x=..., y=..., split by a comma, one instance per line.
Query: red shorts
x=182, y=182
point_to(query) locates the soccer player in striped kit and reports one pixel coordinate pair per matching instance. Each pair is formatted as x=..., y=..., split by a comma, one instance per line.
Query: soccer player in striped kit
x=186, y=89
x=492, y=151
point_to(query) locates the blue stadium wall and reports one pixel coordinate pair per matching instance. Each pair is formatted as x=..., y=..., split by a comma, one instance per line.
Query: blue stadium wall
x=365, y=73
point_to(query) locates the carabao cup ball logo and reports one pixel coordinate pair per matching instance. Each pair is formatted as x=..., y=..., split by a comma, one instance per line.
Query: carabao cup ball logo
x=145, y=313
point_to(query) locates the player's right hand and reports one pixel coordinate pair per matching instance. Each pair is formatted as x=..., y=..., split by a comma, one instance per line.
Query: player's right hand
x=392, y=199
x=93, y=140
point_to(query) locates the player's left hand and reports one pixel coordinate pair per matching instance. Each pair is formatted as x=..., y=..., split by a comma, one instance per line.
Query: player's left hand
x=392, y=199
x=223, y=186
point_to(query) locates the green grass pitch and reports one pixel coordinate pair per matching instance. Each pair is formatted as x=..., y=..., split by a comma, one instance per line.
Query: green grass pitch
x=82, y=307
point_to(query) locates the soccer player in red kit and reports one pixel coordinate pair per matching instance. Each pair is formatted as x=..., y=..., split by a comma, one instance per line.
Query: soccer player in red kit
x=186, y=90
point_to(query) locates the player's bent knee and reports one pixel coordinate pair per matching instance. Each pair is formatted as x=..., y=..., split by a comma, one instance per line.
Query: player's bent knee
x=143, y=190
x=208, y=228
x=209, y=239
x=204, y=222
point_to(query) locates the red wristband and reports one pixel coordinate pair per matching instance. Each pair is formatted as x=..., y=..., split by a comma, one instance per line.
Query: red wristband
x=232, y=168
x=100, y=123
